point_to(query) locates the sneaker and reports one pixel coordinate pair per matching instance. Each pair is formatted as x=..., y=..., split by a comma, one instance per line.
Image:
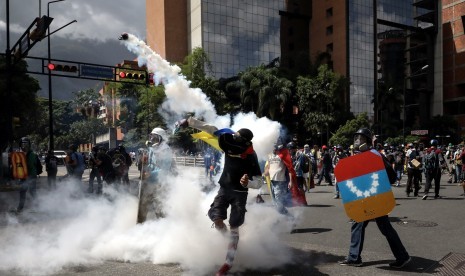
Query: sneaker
x=437, y=196
x=336, y=197
x=424, y=197
x=400, y=264
x=223, y=270
x=259, y=199
x=358, y=263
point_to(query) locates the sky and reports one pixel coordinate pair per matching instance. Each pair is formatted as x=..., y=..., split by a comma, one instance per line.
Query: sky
x=93, y=38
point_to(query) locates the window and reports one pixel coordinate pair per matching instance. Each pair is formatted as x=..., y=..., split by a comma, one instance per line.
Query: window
x=329, y=12
x=329, y=30
x=329, y=48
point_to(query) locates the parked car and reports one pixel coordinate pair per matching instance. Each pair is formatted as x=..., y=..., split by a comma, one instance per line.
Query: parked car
x=61, y=155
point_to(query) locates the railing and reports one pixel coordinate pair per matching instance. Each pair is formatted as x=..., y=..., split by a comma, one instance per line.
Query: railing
x=189, y=161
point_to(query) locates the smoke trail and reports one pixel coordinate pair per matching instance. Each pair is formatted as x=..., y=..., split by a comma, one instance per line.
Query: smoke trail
x=68, y=229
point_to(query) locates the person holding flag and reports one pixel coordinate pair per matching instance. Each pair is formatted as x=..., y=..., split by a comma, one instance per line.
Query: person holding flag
x=241, y=171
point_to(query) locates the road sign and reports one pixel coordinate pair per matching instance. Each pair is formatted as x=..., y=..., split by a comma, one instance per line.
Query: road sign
x=97, y=72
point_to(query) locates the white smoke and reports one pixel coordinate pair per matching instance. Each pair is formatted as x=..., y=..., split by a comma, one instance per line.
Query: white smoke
x=70, y=229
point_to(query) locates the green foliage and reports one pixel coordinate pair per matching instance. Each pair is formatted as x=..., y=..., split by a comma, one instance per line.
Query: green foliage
x=344, y=135
x=264, y=92
x=22, y=104
x=320, y=106
x=87, y=102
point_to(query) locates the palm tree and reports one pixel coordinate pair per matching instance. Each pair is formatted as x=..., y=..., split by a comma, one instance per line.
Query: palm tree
x=264, y=92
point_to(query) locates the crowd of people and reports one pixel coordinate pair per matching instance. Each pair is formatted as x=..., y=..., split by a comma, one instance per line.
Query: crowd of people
x=291, y=172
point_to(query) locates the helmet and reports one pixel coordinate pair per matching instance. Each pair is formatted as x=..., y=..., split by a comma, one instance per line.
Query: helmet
x=365, y=132
x=158, y=131
x=246, y=134
x=410, y=145
x=73, y=147
x=339, y=147
x=306, y=146
x=25, y=144
x=157, y=135
x=24, y=140
x=434, y=142
x=291, y=145
x=121, y=148
x=324, y=147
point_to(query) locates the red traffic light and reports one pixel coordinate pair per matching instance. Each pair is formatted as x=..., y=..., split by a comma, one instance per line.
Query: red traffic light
x=131, y=75
x=61, y=67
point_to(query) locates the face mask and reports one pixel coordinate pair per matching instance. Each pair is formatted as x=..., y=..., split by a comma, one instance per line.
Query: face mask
x=360, y=143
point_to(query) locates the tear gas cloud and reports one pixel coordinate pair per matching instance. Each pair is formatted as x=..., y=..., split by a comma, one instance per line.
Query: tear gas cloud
x=68, y=229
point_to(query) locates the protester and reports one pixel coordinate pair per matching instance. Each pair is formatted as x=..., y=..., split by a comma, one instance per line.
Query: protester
x=51, y=166
x=94, y=172
x=34, y=168
x=241, y=171
x=363, y=142
x=76, y=163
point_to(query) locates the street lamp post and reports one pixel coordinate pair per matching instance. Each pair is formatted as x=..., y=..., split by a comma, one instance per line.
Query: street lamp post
x=50, y=103
x=404, y=106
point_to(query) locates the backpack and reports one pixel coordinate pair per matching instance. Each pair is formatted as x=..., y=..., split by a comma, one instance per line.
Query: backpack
x=431, y=161
x=306, y=167
x=18, y=165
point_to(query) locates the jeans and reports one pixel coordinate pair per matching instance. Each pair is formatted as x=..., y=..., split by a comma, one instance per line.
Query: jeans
x=281, y=195
x=458, y=172
x=384, y=225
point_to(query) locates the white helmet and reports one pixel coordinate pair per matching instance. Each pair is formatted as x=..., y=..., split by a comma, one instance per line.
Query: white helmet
x=159, y=131
x=157, y=135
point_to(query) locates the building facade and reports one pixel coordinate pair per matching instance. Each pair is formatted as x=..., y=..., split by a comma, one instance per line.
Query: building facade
x=409, y=50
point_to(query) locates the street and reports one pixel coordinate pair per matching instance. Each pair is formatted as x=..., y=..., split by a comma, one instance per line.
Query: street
x=85, y=242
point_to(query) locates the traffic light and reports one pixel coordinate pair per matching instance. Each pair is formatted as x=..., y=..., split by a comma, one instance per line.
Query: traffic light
x=41, y=27
x=131, y=75
x=62, y=67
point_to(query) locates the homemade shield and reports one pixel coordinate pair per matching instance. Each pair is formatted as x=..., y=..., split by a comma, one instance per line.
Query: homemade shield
x=364, y=186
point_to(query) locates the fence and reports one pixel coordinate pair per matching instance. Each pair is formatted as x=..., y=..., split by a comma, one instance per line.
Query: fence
x=189, y=161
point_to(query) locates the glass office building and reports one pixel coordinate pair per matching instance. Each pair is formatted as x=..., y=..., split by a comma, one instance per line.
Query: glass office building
x=361, y=48
x=236, y=34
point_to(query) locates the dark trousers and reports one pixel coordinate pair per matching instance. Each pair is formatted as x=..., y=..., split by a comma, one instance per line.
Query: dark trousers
x=384, y=225
x=94, y=173
x=27, y=185
x=434, y=175
x=224, y=198
x=52, y=180
x=325, y=172
x=413, y=177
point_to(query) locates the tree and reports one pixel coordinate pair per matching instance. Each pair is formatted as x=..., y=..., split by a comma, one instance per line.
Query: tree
x=196, y=67
x=23, y=104
x=344, y=135
x=87, y=102
x=320, y=109
x=264, y=92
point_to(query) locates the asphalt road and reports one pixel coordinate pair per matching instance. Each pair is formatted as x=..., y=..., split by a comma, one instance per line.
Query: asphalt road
x=430, y=230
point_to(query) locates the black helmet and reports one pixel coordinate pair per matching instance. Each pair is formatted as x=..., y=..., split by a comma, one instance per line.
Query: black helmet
x=121, y=148
x=365, y=132
x=291, y=145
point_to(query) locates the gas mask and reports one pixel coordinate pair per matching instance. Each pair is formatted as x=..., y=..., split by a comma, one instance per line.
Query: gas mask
x=361, y=143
